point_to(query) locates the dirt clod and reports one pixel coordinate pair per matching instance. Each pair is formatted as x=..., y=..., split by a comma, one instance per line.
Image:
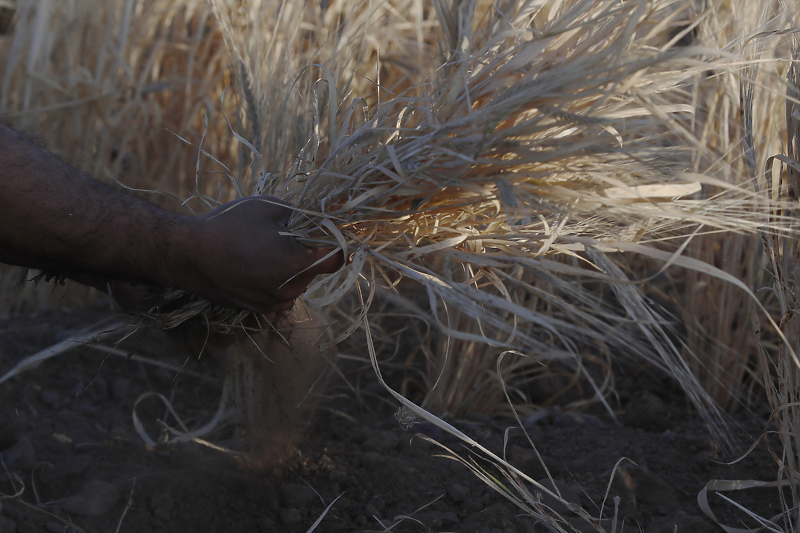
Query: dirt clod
x=458, y=493
x=94, y=499
x=382, y=442
x=20, y=456
x=7, y=525
x=296, y=495
x=290, y=516
x=646, y=411
x=162, y=505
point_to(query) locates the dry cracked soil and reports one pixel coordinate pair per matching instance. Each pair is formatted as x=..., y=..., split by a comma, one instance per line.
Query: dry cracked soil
x=70, y=447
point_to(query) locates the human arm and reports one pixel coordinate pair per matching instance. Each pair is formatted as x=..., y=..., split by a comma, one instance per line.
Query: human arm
x=54, y=218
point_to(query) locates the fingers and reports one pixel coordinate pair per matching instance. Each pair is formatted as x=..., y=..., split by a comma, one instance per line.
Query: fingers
x=280, y=210
x=262, y=308
x=254, y=209
x=285, y=306
x=328, y=261
x=261, y=268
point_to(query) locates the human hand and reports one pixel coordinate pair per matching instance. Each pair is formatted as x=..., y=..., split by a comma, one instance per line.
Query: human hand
x=241, y=260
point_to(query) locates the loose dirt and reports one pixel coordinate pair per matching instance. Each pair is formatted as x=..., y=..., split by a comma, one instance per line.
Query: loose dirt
x=69, y=443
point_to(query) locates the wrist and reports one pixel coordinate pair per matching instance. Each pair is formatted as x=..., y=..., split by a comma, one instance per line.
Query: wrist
x=178, y=267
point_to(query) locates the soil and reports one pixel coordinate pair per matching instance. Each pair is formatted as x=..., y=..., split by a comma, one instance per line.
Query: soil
x=69, y=440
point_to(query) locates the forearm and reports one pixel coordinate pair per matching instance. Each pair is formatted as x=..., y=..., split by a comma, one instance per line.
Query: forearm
x=54, y=218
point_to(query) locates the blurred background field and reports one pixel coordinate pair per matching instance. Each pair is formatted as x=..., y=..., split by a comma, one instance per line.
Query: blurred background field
x=123, y=89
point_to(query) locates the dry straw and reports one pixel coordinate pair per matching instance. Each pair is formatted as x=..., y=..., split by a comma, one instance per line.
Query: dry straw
x=717, y=314
x=550, y=144
x=774, y=78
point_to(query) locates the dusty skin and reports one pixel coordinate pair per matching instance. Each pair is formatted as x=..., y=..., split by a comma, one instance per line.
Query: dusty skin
x=67, y=434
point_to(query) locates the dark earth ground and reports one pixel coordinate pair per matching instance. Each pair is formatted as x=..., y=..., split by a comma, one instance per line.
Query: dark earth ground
x=67, y=433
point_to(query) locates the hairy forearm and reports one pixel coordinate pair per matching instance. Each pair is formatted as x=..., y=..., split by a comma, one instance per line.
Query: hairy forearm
x=54, y=218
